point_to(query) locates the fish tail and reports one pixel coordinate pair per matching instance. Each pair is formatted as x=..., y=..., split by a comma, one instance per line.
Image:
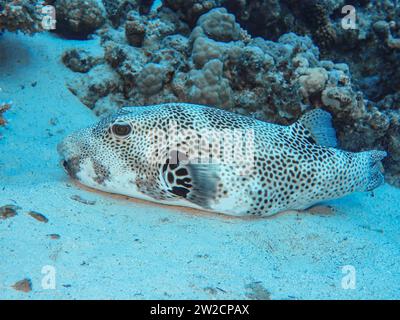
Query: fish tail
x=371, y=176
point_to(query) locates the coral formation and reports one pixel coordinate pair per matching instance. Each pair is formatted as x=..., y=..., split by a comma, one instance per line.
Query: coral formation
x=209, y=85
x=79, y=18
x=190, y=10
x=373, y=38
x=195, y=51
x=135, y=30
x=117, y=10
x=79, y=60
x=23, y=15
x=384, y=29
x=219, y=25
x=97, y=83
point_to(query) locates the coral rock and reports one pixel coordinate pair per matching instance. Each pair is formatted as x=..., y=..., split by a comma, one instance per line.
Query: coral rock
x=313, y=80
x=79, y=18
x=151, y=79
x=135, y=30
x=219, y=25
x=190, y=10
x=79, y=60
x=100, y=82
x=208, y=86
x=204, y=50
x=117, y=10
x=24, y=15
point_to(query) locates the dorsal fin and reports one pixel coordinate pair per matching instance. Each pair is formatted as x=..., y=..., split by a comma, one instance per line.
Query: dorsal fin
x=195, y=182
x=318, y=125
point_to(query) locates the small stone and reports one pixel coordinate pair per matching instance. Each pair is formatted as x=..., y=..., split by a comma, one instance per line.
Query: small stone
x=8, y=211
x=78, y=60
x=322, y=210
x=54, y=236
x=81, y=200
x=24, y=285
x=38, y=216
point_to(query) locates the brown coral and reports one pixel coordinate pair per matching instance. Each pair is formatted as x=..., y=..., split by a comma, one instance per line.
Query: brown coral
x=190, y=10
x=78, y=18
x=23, y=15
x=117, y=10
x=135, y=30
x=79, y=60
x=317, y=17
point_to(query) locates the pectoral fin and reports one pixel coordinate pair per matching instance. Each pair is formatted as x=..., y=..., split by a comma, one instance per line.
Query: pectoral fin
x=192, y=180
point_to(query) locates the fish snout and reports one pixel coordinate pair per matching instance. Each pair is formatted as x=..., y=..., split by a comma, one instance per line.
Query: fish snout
x=70, y=157
x=61, y=149
x=70, y=167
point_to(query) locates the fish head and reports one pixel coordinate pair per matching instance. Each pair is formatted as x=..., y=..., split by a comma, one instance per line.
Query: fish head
x=103, y=155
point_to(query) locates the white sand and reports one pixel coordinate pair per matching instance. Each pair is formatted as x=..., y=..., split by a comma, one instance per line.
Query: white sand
x=124, y=249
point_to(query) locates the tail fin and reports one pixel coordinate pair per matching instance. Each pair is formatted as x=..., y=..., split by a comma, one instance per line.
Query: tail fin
x=373, y=177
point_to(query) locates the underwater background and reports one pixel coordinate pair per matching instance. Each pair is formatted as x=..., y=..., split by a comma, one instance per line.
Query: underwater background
x=65, y=63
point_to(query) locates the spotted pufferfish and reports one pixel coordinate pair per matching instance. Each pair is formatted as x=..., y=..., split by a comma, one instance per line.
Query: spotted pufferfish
x=210, y=159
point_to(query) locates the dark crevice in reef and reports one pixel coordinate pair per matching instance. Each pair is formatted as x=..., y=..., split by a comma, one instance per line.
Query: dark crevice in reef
x=260, y=18
x=117, y=11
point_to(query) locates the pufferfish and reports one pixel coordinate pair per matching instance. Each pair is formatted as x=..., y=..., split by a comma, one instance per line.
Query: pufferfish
x=210, y=159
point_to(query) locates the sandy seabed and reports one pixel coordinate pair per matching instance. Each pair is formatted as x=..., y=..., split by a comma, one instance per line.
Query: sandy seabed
x=112, y=248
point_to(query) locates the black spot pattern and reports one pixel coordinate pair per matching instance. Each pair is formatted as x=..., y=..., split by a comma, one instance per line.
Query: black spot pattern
x=287, y=170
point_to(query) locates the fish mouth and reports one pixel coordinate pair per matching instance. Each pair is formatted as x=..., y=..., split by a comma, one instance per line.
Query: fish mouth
x=67, y=167
x=70, y=164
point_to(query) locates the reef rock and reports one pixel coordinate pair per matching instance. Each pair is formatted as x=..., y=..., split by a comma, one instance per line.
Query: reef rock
x=117, y=10
x=190, y=10
x=79, y=18
x=97, y=83
x=79, y=60
x=23, y=15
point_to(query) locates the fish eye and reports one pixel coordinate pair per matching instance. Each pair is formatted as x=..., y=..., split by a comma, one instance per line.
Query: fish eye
x=121, y=129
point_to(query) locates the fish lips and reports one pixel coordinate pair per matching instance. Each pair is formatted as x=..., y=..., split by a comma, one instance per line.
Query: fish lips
x=70, y=168
x=71, y=165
